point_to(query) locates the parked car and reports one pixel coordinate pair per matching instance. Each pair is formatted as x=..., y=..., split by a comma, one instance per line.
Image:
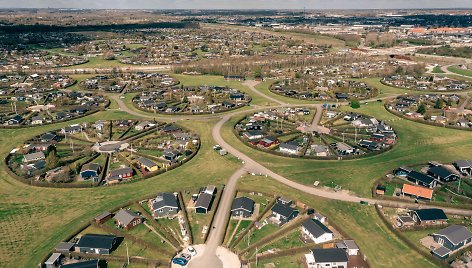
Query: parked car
x=185, y=256
x=180, y=261
x=191, y=250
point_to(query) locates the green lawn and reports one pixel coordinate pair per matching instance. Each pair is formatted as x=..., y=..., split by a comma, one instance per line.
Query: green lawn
x=437, y=70
x=460, y=71
x=98, y=62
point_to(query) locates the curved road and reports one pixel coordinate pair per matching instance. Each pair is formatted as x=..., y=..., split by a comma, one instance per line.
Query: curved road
x=209, y=257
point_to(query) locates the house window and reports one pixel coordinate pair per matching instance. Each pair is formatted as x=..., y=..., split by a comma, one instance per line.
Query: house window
x=171, y=209
x=161, y=210
x=440, y=241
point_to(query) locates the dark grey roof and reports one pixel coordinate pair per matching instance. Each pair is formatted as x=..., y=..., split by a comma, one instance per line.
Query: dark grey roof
x=103, y=215
x=441, y=251
x=283, y=210
x=323, y=255
x=291, y=145
x=97, y=241
x=146, y=162
x=440, y=172
x=316, y=228
x=431, y=214
x=33, y=156
x=125, y=216
x=165, y=200
x=91, y=166
x=243, y=203
x=456, y=233
x=64, y=246
x=204, y=201
x=420, y=177
x=463, y=163
x=121, y=171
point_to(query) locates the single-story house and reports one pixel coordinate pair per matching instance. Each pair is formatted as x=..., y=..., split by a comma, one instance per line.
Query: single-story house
x=33, y=157
x=102, y=218
x=164, y=205
x=429, y=216
x=350, y=246
x=464, y=167
x=96, y=244
x=253, y=135
x=142, y=125
x=171, y=155
x=421, y=179
x=291, y=147
x=127, y=219
x=284, y=200
x=417, y=191
x=54, y=260
x=65, y=247
x=90, y=171
x=283, y=213
x=48, y=137
x=73, y=129
x=442, y=174
x=242, y=207
x=452, y=238
x=147, y=164
x=120, y=174
x=203, y=203
x=316, y=231
x=321, y=150
x=16, y=120
x=327, y=257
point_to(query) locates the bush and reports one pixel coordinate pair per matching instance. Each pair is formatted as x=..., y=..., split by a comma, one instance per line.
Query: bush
x=355, y=104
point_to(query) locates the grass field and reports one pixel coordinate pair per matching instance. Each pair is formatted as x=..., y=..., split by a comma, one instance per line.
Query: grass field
x=360, y=222
x=460, y=71
x=437, y=70
x=98, y=62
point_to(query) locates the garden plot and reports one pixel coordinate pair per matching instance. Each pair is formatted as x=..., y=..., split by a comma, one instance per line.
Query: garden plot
x=446, y=110
x=85, y=153
x=132, y=82
x=192, y=100
x=323, y=89
x=47, y=107
x=288, y=132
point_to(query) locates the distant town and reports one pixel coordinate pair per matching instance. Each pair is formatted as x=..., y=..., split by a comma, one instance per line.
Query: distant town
x=235, y=138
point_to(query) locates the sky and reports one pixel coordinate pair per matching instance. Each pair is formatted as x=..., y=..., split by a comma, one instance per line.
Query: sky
x=236, y=4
